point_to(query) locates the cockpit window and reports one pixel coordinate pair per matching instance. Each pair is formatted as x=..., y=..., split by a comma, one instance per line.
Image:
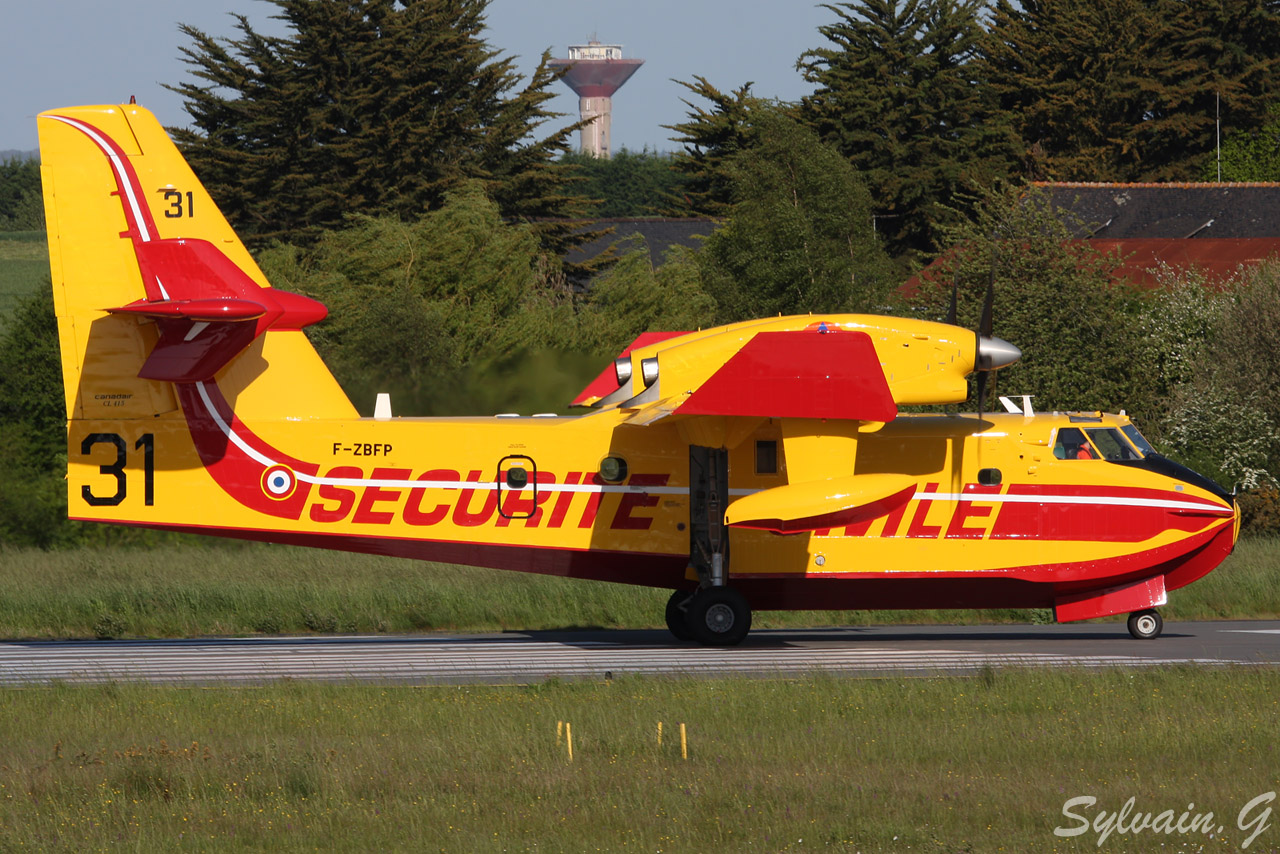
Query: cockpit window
x=1072, y=445
x=1139, y=441
x=1112, y=445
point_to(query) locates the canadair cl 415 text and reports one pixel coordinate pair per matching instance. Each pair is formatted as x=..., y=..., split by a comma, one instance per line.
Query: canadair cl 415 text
x=759, y=465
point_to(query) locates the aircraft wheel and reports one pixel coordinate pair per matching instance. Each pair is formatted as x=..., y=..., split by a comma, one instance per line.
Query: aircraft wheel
x=678, y=615
x=1144, y=625
x=719, y=616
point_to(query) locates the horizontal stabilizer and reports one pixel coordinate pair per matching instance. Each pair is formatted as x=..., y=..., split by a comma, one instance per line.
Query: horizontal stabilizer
x=218, y=308
x=811, y=373
x=207, y=309
x=819, y=504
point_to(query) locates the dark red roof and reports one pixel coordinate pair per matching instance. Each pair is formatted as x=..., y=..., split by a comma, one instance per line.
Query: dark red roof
x=1218, y=258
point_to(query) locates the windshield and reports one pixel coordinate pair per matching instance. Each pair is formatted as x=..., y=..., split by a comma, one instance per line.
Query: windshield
x=1111, y=444
x=1139, y=441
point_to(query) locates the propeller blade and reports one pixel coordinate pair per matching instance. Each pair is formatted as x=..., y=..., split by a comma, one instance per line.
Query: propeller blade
x=984, y=326
x=955, y=286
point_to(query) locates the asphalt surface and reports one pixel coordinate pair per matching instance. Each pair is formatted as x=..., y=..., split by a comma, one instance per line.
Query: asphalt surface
x=532, y=657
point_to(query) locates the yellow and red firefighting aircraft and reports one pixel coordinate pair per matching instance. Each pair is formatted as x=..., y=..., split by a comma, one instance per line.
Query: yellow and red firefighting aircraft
x=758, y=465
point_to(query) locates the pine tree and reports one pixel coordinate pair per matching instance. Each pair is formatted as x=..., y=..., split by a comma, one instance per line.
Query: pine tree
x=1232, y=68
x=711, y=136
x=898, y=93
x=1126, y=90
x=366, y=106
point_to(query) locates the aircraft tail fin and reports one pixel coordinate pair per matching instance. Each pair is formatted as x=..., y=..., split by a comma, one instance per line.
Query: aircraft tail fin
x=152, y=287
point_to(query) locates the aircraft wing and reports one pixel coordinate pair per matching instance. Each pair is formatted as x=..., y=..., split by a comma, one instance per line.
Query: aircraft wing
x=796, y=367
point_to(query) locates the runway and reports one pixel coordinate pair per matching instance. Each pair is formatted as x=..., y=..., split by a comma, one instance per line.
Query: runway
x=534, y=657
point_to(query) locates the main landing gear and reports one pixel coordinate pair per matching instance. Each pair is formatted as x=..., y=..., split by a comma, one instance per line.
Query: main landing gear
x=714, y=614
x=1145, y=625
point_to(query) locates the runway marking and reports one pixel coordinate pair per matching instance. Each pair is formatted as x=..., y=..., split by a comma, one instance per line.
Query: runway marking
x=427, y=661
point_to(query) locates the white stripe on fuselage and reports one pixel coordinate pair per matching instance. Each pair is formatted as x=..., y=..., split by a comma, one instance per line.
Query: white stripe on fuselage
x=1099, y=500
x=1092, y=500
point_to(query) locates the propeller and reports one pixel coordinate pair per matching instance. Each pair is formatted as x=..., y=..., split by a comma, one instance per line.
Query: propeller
x=992, y=353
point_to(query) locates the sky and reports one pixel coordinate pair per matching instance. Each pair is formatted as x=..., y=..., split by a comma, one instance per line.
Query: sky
x=62, y=53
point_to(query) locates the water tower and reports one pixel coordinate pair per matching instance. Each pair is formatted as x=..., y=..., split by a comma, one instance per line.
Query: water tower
x=595, y=72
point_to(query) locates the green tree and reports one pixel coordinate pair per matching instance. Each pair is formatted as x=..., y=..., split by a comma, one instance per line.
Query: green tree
x=419, y=309
x=1125, y=90
x=21, y=203
x=33, y=501
x=900, y=95
x=367, y=106
x=1250, y=156
x=1223, y=58
x=1056, y=298
x=1223, y=419
x=629, y=184
x=634, y=297
x=1174, y=337
x=709, y=137
x=799, y=235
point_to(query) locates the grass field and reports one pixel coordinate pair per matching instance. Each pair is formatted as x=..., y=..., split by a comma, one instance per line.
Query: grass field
x=24, y=264
x=937, y=765
x=237, y=589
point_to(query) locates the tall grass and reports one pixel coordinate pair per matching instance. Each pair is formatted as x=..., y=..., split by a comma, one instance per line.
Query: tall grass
x=188, y=590
x=945, y=764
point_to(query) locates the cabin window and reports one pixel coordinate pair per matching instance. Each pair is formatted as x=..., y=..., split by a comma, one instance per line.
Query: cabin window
x=1072, y=445
x=517, y=478
x=1111, y=444
x=767, y=457
x=989, y=477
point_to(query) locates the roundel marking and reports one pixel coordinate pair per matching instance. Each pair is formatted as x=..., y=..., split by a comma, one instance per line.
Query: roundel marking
x=278, y=482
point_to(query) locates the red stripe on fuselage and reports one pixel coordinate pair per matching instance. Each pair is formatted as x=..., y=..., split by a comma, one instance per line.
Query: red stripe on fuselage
x=235, y=469
x=1098, y=522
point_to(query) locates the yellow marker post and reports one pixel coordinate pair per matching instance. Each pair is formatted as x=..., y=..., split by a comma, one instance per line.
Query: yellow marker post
x=659, y=733
x=568, y=737
x=559, y=731
x=684, y=744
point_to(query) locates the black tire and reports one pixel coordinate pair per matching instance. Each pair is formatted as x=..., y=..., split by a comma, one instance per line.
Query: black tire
x=678, y=615
x=719, y=616
x=1145, y=625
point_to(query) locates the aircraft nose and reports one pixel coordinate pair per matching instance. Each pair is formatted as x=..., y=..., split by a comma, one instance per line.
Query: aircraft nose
x=995, y=353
